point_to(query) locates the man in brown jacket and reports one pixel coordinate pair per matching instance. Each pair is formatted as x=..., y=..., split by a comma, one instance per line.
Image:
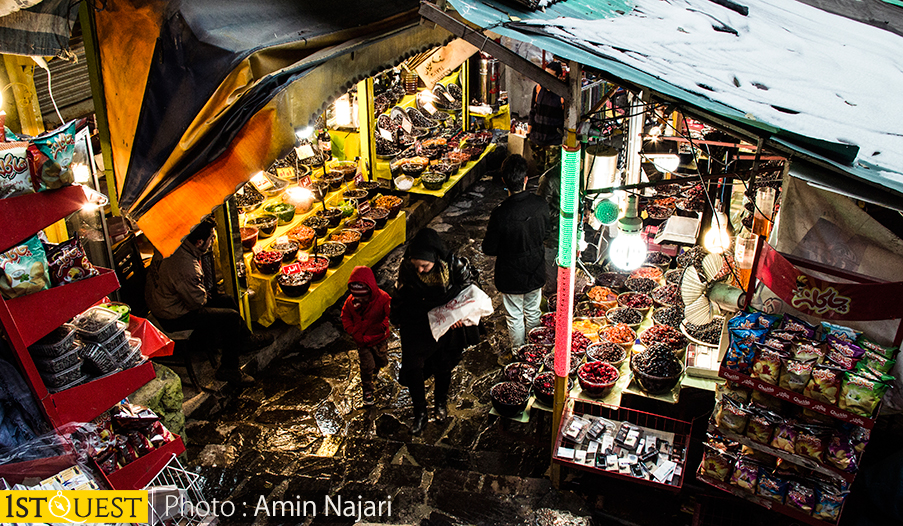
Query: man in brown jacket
x=177, y=296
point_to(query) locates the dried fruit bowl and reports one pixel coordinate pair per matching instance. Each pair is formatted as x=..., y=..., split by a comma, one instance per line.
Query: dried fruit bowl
x=288, y=249
x=350, y=238
x=319, y=225
x=509, y=399
x=379, y=215
x=317, y=266
x=544, y=387
x=268, y=261
x=606, y=352
x=542, y=336
x=597, y=378
x=248, y=237
x=635, y=300
x=332, y=215
x=549, y=362
x=630, y=317
x=370, y=186
x=389, y=202
x=334, y=251
x=519, y=372
x=294, y=285
x=303, y=235
x=619, y=334
x=655, y=384
x=531, y=353
x=432, y=180
x=284, y=212
x=265, y=224
x=364, y=226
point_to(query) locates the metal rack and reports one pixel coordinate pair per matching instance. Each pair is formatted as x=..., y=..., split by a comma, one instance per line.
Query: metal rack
x=192, y=506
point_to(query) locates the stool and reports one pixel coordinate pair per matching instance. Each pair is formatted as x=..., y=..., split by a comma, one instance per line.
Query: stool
x=180, y=337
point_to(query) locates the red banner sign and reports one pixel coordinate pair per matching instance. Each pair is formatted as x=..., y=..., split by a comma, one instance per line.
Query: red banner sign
x=293, y=268
x=305, y=181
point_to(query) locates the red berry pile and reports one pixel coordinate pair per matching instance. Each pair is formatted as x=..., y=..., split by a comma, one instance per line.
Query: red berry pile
x=667, y=295
x=635, y=300
x=548, y=320
x=657, y=360
x=598, y=373
x=606, y=352
x=542, y=336
x=579, y=343
x=664, y=334
x=531, y=353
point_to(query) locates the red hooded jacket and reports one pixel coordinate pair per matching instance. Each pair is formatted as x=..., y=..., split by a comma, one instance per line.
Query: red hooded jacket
x=370, y=325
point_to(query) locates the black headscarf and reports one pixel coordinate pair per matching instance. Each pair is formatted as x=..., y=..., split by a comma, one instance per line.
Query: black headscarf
x=428, y=246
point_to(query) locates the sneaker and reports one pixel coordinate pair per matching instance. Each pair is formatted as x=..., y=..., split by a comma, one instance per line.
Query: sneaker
x=259, y=340
x=368, y=399
x=235, y=376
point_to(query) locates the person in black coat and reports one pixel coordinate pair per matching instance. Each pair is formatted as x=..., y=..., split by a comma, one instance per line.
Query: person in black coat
x=429, y=276
x=515, y=234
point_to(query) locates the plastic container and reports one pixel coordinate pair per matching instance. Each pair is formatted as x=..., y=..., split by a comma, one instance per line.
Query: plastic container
x=379, y=215
x=64, y=377
x=55, y=344
x=588, y=383
x=96, y=324
x=294, y=285
x=78, y=381
x=117, y=338
x=133, y=356
x=60, y=363
x=100, y=358
x=284, y=212
x=265, y=225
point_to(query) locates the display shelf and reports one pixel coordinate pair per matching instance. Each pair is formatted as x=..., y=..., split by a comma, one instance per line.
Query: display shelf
x=35, y=315
x=772, y=505
x=453, y=180
x=138, y=474
x=43, y=209
x=796, y=398
x=793, y=458
x=679, y=430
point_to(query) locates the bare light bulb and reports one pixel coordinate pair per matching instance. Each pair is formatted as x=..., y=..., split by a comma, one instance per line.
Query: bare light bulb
x=627, y=251
x=717, y=239
x=81, y=173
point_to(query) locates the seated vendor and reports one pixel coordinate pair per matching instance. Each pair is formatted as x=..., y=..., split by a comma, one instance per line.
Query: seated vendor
x=182, y=296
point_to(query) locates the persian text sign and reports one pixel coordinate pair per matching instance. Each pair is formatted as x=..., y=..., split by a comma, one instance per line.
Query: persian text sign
x=444, y=60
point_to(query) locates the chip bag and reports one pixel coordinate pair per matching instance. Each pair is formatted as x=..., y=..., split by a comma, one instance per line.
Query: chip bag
x=824, y=385
x=739, y=358
x=15, y=174
x=732, y=391
x=875, y=362
x=716, y=463
x=840, y=452
x=795, y=375
x=839, y=331
x=24, y=269
x=69, y=263
x=801, y=497
x=759, y=428
x=785, y=436
x=828, y=503
x=871, y=345
x=794, y=324
x=746, y=474
x=767, y=367
x=58, y=146
x=810, y=443
x=861, y=395
x=766, y=402
x=771, y=486
x=807, y=350
x=846, y=348
x=744, y=320
x=731, y=417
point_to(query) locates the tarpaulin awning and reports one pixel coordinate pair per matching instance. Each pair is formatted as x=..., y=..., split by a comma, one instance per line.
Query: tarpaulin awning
x=202, y=94
x=810, y=82
x=36, y=28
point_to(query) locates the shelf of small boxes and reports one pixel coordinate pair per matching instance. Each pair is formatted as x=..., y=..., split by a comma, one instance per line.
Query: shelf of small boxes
x=835, y=376
x=623, y=443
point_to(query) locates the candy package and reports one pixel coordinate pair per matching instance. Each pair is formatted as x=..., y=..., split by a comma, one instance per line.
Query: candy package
x=140, y=442
x=771, y=486
x=767, y=367
x=810, y=443
x=759, y=428
x=839, y=331
x=57, y=148
x=871, y=345
x=785, y=436
x=861, y=395
x=807, y=350
x=840, y=452
x=795, y=375
x=69, y=263
x=159, y=435
x=801, y=497
x=828, y=503
x=794, y=324
x=106, y=459
x=716, y=463
x=744, y=320
x=824, y=386
x=133, y=416
x=731, y=416
x=15, y=174
x=786, y=335
x=746, y=474
x=24, y=269
x=125, y=451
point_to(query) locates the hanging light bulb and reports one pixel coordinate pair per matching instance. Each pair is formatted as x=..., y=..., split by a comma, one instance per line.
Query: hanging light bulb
x=664, y=162
x=607, y=211
x=717, y=239
x=81, y=173
x=94, y=200
x=628, y=250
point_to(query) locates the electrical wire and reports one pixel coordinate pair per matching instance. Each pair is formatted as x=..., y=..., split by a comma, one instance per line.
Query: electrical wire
x=50, y=91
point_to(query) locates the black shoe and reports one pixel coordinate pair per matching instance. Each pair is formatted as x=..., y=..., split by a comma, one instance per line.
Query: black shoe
x=419, y=422
x=235, y=376
x=260, y=340
x=441, y=412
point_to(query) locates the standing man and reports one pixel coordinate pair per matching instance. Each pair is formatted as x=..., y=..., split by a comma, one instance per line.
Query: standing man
x=179, y=296
x=546, y=134
x=515, y=234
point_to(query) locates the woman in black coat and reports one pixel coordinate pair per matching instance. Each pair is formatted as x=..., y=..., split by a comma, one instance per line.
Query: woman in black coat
x=429, y=276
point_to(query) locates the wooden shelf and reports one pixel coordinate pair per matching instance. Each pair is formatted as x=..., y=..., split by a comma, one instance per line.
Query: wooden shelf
x=24, y=215
x=772, y=505
x=796, y=398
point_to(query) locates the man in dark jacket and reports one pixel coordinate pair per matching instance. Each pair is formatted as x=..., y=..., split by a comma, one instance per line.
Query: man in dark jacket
x=515, y=234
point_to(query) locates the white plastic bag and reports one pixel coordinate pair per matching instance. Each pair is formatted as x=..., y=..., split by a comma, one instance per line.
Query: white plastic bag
x=467, y=307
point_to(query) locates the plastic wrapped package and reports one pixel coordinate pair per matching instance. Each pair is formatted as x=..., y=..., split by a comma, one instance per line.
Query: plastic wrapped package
x=771, y=486
x=731, y=416
x=58, y=342
x=96, y=324
x=716, y=463
x=746, y=474
x=60, y=363
x=98, y=358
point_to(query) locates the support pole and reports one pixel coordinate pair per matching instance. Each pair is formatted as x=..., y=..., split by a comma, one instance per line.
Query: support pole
x=365, y=112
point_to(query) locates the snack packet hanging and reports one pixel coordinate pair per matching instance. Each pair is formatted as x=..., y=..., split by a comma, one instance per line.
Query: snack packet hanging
x=58, y=146
x=807, y=350
x=746, y=474
x=840, y=360
x=861, y=395
x=769, y=321
x=840, y=452
x=777, y=344
x=839, y=331
x=875, y=362
x=871, y=345
x=69, y=263
x=767, y=367
x=739, y=358
x=759, y=428
x=824, y=385
x=844, y=347
x=801, y=497
x=771, y=486
x=15, y=175
x=747, y=337
x=732, y=391
x=828, y=503
x=810, y=442
x=786, y=335
x=785, y=436
x=731, y=416
x=794, y=324
x=716, y=463
x=744, y=320
x=766, y=402
x=795, y=375
x=23, y=269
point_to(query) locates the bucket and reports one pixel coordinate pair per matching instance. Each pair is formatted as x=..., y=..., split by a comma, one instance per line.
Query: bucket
x=489, y=80
x=600, y=167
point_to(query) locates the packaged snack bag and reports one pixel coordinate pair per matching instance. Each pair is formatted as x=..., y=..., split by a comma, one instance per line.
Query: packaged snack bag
x=875, y=362
x=777, y=344
x=772, y=486
x=23, y=269
x=759, y=428
x=716, y=463
x=840, y=360
x=731, y=416
x=840, y=451
x=58, y=146
x=824, y=385
x=765, y=401
x=801, y=497
x=795, y=375
x=844, y=347
x=732, y=391
x=828, y=503
x=839, y=331
x=744, y=320
x=767, y=367
x=859, y=437
x=69, y=263
x=769, y=321
x=785, y=436
x=794, y=324
x=746, y=474
x=15, y=174
x=810, y=442
x=739, y=358
x=807, y=350
x=861, y=395
x=871, y=345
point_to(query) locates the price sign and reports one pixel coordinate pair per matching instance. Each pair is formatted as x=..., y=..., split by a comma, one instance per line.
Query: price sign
x=285, y=172
x=385, y=134
x=358, y=178
x=294, y=268
x=407, y=126
x=305, y=151
x=305, y=181
x=363, y=206
x=256, y=249
x=261, y=182
x=448, y=96
x=303, y=257
x=418, y=147
x=430, y=108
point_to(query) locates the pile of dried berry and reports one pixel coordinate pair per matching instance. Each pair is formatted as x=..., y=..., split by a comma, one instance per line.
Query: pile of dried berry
x=599, y=373
x=530, y=353
x=664, y=334
x=644, y=285
x=547, y=320
x=509, y=393
x=611, y=280
x=606, y=352
x=667, y=295
x=618, y=333
x=576, y=360
x=657, y=360
x=709, y=333
x=669, y=316
x=635, y=300
x=625, y=315
x=520, y=372
x=542, y=336
x=658, y=258
x=650, y=272
x=579, y=343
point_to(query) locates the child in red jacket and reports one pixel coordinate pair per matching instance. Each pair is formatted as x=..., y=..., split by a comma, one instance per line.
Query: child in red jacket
x=365, y=316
